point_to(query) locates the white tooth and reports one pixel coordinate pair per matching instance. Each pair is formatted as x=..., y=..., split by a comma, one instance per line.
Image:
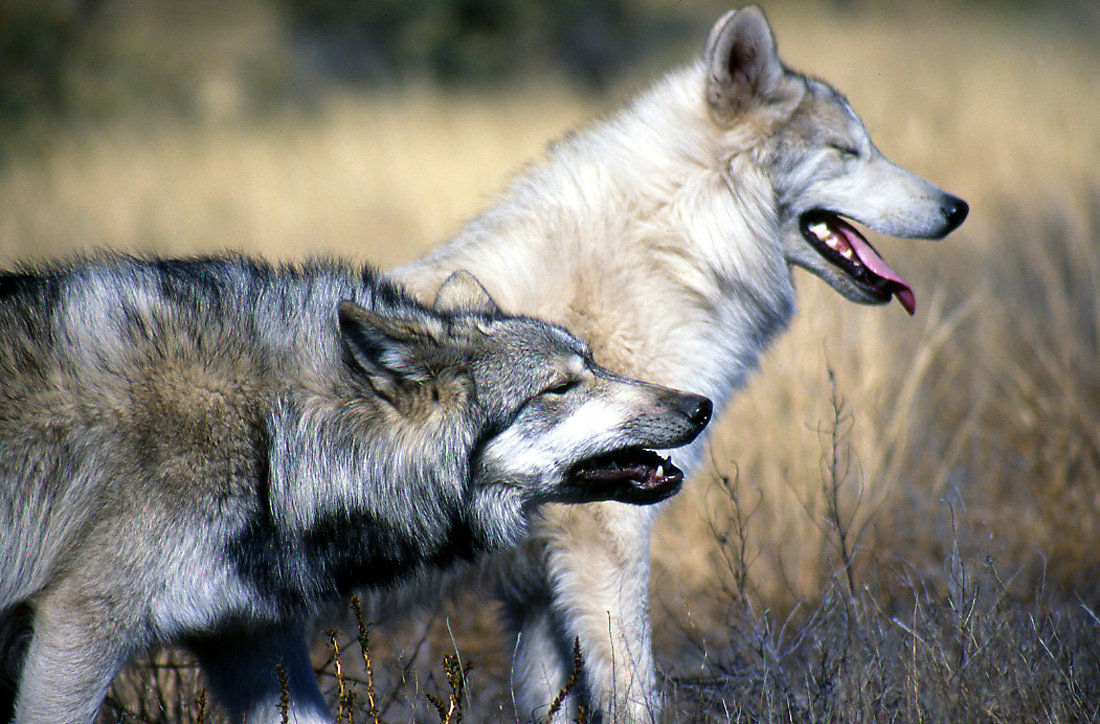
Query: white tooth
x=832, y=242
x=847, y=254
x=820, y=230
x=660, y=471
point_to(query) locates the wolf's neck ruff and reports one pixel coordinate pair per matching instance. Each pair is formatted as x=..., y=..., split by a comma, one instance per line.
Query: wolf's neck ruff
x=640, y=226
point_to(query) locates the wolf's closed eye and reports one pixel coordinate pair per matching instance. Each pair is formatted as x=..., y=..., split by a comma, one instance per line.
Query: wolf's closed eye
x=560, y=387
x=845, y=150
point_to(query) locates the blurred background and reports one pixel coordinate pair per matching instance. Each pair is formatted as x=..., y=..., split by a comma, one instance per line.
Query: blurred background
x=885, y=451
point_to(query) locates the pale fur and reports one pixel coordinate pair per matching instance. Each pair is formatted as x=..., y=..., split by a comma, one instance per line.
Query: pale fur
x=659, y=266
x=665, y=236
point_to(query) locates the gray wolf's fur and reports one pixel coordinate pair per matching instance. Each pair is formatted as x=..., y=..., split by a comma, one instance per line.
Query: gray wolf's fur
x=666, y=236
x=205, y=451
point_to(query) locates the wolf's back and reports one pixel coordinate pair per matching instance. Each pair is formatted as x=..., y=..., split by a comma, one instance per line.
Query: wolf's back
x=158, y=371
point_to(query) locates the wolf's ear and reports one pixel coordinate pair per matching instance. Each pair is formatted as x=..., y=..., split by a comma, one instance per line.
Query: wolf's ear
x=462, y=292
x=743, y=67
x=388, y=348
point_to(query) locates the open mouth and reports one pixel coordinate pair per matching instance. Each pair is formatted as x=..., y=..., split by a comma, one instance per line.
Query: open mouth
x=632, y=475
x=846, y=249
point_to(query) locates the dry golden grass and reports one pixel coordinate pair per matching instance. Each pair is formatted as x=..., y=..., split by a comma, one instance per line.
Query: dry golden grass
x=378, y=179
x=984, y=407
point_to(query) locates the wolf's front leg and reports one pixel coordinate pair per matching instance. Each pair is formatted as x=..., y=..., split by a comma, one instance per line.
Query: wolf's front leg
x=77, y=648
x=540, y=663
x=241, y=671
x=598, y=570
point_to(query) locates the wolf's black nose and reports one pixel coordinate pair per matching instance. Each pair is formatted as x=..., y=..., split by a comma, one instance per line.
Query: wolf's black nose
x=697, y=409
x=955, y=211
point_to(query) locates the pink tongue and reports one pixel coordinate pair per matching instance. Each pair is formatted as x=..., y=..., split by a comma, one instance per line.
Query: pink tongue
x=876, y=265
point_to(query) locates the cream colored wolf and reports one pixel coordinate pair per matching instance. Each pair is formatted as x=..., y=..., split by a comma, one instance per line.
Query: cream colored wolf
x=666, y=236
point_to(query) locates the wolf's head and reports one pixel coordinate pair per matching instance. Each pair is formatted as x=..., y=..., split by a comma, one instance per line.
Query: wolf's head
x=537, y=420
x=802, y=135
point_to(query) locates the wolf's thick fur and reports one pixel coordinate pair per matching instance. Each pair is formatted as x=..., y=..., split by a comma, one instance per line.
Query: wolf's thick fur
x=666, y=236
x=205, y=451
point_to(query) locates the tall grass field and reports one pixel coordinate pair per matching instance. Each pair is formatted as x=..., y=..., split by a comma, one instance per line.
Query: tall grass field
x=900, y=517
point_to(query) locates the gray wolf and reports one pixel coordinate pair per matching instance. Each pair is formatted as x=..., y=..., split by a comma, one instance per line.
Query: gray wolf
x=665, y=236
x=206, y=451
